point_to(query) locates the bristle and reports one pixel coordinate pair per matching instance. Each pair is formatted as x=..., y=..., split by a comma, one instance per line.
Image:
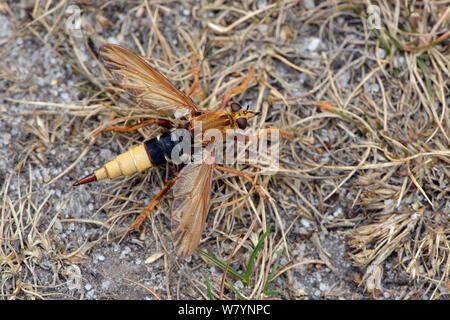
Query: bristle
x=87, y=179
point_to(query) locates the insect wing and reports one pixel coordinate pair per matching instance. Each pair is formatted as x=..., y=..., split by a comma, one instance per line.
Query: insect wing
x=190, y=206
x=150, y=88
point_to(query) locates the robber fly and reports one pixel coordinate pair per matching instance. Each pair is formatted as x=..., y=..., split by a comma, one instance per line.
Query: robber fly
x=192, y=185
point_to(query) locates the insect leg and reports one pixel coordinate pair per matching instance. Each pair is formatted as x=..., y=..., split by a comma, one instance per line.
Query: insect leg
x=240, y=89
x=284, y=133
x=147, y=211
x=195, y=71
x=246, y=177
x=160, y=122
x=263, y=132
x=261, y=192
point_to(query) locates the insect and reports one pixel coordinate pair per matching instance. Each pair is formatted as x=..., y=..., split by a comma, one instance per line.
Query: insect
x=192, y=185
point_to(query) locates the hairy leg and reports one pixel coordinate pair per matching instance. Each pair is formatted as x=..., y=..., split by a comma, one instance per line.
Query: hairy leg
x=246, y=177
x=195, y=71
x=240, y=89
x=160, y=122
x=147, y=211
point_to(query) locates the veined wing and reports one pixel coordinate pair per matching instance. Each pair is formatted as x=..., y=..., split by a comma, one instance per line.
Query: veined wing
x=150, y=88
x=190, y=206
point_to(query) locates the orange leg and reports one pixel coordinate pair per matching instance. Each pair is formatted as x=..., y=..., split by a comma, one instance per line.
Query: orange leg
x=245, y=176
x=284, y=133
x=195, y=71
x=287, y=134
x=160, y=122
x=147, y=211
x=241, y=89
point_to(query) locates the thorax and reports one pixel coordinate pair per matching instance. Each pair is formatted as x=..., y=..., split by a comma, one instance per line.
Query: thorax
x=217, y=119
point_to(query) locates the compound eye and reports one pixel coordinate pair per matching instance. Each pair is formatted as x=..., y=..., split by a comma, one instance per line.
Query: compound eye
x=242, y=123
x=235, y=107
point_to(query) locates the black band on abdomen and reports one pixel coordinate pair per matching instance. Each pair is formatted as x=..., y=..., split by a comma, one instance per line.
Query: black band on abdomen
x=159, y=149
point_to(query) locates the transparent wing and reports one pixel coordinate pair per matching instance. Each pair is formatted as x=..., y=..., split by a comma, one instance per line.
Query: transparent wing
x=150, y=88
x=190, y=206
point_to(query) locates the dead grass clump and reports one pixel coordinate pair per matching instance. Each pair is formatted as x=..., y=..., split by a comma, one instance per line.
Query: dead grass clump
x=420, y=242
x=406, y=200
x=34, y=263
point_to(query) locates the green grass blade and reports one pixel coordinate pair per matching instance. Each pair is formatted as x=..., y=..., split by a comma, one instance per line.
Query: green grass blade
x=426, y=72
x=397, y=44
x=383, y=44
x=221, y=264
x=241, y=297
x=355, y=9
x=253, y=256
x=208, y=287
x=271, y=275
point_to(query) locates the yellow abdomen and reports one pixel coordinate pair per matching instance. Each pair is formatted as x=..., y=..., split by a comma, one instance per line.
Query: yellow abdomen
x=133, y=160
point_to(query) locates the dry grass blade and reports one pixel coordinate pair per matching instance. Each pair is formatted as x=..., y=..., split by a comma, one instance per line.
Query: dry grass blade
x=25, y=248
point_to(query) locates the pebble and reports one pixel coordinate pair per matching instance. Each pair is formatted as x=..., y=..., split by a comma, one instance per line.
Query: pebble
x=323, y=287
x=314, y=44
x=106, y=284
x=305, y=223
x=5, y=27
x=238, y=284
